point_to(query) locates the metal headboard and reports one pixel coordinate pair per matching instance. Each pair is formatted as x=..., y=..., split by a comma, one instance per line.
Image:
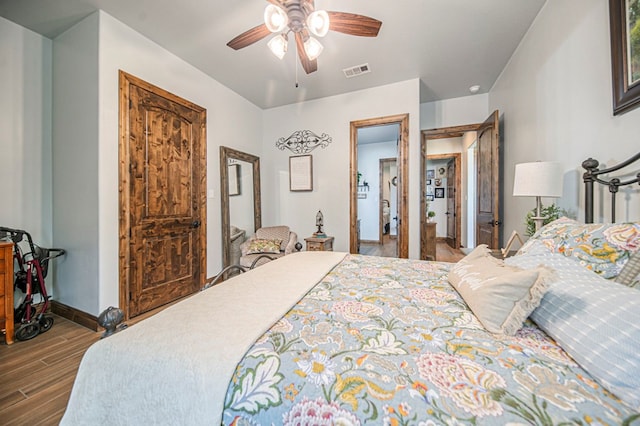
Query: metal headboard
x=591, y=176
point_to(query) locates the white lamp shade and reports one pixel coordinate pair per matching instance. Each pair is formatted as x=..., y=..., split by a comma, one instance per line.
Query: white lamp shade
x=318, y=23
x=313, y=48
x=538, y=179
x=275, y=18
x=278, y=45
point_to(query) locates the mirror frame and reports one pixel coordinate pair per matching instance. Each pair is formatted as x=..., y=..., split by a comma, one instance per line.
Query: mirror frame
x=227, y=153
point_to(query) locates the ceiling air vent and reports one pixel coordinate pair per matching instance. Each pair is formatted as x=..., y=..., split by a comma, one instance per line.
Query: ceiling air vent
x=356, y=71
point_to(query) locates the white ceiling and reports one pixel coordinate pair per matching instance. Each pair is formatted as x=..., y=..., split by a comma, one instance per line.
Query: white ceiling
x=449, y=45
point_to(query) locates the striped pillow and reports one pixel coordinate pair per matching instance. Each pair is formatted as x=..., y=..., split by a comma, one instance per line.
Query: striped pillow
x=630, y=274
x=594, y=320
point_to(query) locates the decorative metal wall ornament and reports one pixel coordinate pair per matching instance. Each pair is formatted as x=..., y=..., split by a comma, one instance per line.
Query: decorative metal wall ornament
x=303, y=142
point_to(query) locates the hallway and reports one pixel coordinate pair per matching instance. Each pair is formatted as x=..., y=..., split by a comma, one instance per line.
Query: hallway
x=444, y=253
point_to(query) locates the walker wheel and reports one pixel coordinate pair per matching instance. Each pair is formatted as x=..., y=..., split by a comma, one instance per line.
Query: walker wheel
x=45, y=324
x=28, y=331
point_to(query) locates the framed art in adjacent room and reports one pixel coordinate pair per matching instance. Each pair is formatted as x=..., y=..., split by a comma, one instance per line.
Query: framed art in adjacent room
x=624, y=25
x=431, y=174
x=439, y=193
x=301, y=173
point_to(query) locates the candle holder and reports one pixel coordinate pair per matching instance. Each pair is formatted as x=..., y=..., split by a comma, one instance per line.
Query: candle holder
x=319, y=224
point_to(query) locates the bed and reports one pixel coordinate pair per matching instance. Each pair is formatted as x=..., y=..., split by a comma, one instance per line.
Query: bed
x=546, y=337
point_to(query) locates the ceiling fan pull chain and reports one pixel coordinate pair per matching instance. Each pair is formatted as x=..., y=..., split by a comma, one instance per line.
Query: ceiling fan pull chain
x=295, y=64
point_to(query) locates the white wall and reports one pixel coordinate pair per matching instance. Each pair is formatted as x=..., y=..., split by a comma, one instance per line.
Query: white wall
x=332, y=115
x=231, y=121
x=556, y=96
x=75, y=165
x=454, y=112
x=369, y=156
x=25, y=131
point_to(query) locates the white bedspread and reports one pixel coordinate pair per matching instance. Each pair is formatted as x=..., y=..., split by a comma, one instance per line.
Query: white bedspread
x=174, y=368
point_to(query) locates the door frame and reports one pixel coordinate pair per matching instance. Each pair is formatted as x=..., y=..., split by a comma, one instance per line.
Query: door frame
x=126, y=80
x=403, y=179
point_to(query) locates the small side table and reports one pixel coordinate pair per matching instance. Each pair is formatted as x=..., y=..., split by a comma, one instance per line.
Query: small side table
x=319, y=243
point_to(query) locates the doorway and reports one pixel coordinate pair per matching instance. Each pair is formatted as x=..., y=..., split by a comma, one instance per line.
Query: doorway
x=443, y=196
x=365, y=185
x=480, y=184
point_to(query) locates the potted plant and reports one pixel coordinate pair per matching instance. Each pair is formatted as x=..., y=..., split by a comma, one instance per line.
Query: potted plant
x=430, y=215
x=550, y=213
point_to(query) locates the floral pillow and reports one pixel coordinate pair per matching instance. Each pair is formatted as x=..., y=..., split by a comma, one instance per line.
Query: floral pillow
x=601, y=247
x=260, y=245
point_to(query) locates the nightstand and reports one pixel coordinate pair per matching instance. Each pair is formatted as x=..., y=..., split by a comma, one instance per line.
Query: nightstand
x=319, y=243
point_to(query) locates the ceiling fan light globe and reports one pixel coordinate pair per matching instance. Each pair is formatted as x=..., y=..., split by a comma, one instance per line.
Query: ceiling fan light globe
x=275, y=18
x=313, y=48
x=318, y=23
x=278, y=45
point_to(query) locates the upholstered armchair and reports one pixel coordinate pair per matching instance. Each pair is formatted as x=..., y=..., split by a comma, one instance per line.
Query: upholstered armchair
x=267, y=244
x=237, y=238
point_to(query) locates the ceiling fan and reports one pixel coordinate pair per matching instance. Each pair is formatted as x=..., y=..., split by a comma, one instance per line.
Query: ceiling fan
x=302, y=19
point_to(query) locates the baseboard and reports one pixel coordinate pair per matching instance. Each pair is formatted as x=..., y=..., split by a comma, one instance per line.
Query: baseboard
x=75, y=315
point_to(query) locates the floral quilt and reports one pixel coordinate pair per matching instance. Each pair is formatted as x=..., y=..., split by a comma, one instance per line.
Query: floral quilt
x=389, y=341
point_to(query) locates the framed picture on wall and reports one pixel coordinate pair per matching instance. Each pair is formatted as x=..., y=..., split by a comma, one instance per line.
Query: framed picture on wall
x=431, y=173
x=301, y=173
x=624, y=19
x=439, y=192
x=429, y=190
x=428, y=181
x=429, y=197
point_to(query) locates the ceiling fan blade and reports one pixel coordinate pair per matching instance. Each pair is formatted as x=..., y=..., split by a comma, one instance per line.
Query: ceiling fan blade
x=308, y=65
x=354, y=24
x=249, y=37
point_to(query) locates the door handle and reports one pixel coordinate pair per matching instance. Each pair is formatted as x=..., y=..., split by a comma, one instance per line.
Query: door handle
x=195, y=224
x=495, y=222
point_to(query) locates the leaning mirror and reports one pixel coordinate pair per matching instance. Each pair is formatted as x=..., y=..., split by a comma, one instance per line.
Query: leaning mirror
x=240, y=201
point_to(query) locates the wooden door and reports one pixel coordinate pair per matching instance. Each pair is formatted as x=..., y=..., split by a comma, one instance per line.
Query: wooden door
x=163, y=198
x=488, y=221
x=451, y=204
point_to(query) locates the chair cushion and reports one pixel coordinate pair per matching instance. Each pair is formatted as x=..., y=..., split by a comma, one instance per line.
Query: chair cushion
x=275, y=233
x=260, y=245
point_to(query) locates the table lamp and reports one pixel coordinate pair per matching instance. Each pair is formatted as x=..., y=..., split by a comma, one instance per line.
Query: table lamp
x=538, y=179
